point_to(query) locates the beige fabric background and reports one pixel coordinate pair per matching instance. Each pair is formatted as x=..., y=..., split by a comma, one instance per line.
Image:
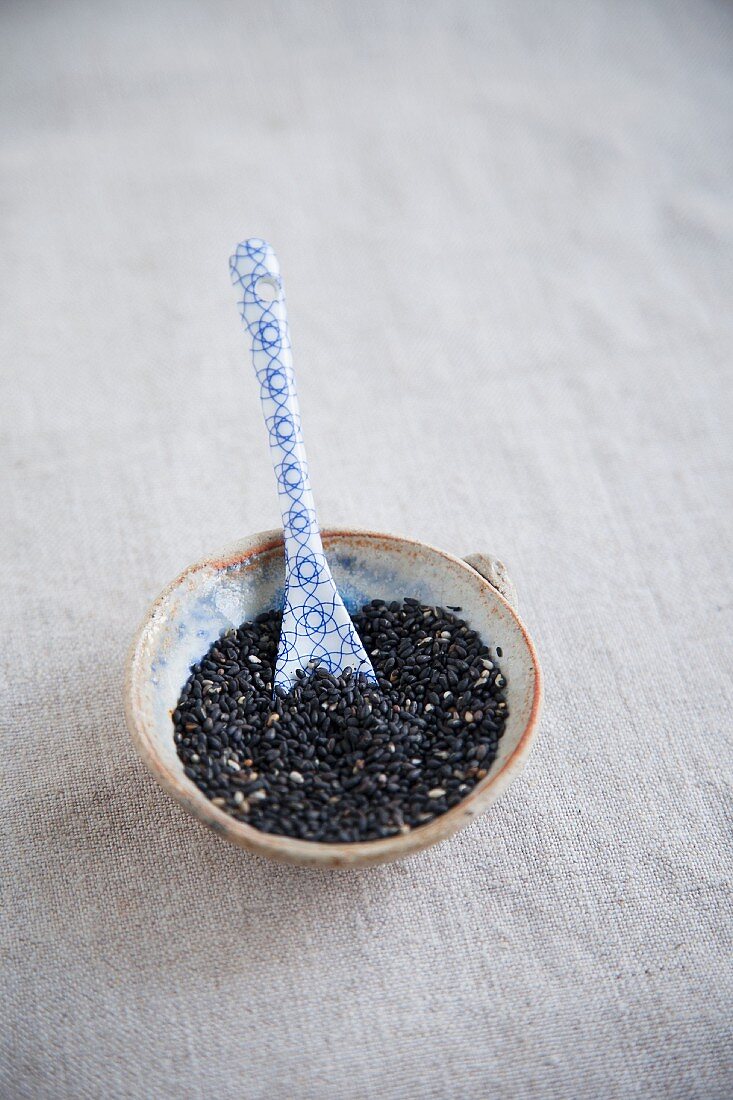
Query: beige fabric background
x=506, y=231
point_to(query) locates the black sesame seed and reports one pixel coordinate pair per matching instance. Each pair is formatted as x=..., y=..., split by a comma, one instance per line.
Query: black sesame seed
x=337, y=758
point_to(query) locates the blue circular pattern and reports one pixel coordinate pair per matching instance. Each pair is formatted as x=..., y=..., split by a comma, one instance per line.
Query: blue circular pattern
x=316, y=628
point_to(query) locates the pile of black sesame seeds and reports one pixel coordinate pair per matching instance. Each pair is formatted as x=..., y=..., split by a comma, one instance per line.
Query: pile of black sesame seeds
x=341, y=759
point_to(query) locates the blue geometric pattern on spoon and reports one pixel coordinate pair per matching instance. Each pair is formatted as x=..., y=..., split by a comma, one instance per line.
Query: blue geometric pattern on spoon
x=316, y=627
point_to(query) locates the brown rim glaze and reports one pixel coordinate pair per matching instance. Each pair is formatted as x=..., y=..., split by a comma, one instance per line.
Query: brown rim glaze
x=288, y=849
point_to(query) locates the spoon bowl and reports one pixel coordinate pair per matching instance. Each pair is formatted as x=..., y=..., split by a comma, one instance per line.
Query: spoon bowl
x=235, y=586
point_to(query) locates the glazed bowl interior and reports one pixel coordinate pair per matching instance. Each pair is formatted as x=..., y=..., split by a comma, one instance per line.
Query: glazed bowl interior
x=237, y=585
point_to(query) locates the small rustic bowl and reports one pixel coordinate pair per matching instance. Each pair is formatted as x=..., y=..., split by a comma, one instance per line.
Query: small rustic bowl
x=237, y=585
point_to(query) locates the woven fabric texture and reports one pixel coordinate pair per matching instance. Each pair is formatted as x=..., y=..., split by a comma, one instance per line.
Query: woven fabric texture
x=505, y=230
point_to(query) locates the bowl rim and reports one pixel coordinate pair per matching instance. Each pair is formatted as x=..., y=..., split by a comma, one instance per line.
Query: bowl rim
x=292, y=849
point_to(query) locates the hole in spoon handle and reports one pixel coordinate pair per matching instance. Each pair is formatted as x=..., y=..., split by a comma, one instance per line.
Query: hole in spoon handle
x=255, y=271
x=267, y=289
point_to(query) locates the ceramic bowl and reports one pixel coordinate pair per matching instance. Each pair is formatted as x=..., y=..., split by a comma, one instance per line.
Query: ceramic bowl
x=247, y=579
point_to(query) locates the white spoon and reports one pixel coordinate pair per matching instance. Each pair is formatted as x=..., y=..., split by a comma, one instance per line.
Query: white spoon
x=316, y=627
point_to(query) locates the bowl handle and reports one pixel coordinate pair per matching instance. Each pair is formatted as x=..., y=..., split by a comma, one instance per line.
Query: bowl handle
x=494, y=571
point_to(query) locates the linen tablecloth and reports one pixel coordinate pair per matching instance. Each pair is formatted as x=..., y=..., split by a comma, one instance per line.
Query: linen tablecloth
x=506, y=231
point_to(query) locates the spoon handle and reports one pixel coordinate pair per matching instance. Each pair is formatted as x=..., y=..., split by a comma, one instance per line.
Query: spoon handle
x=256, y=273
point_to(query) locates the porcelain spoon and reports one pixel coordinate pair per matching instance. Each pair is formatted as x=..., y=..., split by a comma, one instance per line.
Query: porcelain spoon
x=316, y=627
